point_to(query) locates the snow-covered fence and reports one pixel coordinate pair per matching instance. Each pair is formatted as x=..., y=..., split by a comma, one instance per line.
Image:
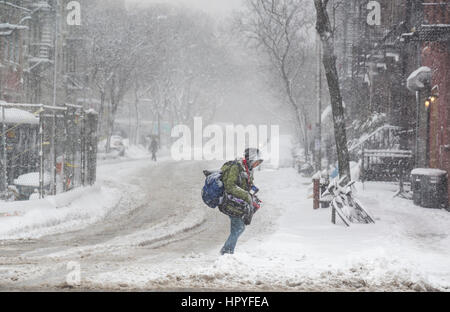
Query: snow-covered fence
x=381, y=155
x=46, y=150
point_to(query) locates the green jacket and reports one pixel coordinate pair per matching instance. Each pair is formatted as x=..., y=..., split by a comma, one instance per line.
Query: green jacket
x=235, y=180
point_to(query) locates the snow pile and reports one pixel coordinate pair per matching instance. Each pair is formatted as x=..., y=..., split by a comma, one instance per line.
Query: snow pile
x=56, y=214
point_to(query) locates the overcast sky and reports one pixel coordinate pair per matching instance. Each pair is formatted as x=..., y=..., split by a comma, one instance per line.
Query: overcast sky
x=217, y=7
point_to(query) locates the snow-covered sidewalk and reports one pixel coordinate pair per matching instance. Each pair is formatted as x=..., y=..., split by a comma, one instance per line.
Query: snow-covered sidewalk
x=407, y=249
x=75, y=209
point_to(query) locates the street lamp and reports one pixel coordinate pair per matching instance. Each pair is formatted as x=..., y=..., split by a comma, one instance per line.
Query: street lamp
x=428, y=103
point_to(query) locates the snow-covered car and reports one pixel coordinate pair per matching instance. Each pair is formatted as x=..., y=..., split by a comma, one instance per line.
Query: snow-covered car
x=27, y=184
x=117, y=145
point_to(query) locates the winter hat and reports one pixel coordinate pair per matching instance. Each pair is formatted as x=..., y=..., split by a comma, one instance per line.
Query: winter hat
x=253, y=157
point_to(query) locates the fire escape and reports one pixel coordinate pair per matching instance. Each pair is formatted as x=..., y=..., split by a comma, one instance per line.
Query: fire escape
x=42, y=36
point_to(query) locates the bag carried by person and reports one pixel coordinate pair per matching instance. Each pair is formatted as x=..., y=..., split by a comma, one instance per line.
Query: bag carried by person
x=233, y=207
x=214, y=195
x=213, y=190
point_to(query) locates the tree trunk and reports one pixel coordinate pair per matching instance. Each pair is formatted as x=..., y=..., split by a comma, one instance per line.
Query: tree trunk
x=101, y=112
x=325, y=31
x=137, y=125
x=109, y=130
x=306, y=139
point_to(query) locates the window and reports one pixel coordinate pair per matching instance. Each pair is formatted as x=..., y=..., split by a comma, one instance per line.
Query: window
x=70, y=57
x=16, y=57
x=11, y=48
x=3, y=49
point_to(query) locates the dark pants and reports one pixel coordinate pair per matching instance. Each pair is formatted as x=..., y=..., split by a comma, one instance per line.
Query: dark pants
x=154, y=155
x=237, y=228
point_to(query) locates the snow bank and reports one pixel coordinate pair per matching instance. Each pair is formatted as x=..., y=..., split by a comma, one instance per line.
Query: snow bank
x=55, y=214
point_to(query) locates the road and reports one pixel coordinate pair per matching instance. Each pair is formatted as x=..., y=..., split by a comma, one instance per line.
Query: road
x=160, y=217
x=160, y=236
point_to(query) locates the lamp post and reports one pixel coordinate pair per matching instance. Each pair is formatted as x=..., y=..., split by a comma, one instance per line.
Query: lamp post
x=427, y=153
x=416, y=161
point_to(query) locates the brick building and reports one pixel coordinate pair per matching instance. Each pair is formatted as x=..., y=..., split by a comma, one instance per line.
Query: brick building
x=373, y=61
x=434, y=38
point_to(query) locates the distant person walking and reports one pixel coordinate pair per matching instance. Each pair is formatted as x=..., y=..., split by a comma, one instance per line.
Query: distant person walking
x=153, y=148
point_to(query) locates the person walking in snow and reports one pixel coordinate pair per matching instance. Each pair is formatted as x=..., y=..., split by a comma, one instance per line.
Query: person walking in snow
x=153, y=148
x=239, y=204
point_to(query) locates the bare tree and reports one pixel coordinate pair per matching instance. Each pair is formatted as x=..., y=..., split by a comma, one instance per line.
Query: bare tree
x=114, y=59
x=282, y=28
x=166, y=63
x=325, y=30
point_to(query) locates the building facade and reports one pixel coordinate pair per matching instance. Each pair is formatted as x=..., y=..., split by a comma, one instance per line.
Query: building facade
x=434, y=38
x=374, y=61
x=34, y=37
x=12, y=49
x=378, y=45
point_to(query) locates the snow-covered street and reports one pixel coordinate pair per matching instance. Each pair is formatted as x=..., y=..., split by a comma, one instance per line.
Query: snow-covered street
x=144, y=226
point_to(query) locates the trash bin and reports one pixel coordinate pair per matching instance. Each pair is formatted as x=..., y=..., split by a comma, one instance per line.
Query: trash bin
x=430, y=187
x=416, y=182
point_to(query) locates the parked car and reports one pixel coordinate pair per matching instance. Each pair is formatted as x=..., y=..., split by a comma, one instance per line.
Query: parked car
x=117, y=145
x=27, y=184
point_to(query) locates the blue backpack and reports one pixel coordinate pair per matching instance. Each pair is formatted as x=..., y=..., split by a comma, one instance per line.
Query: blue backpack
x=213, y=190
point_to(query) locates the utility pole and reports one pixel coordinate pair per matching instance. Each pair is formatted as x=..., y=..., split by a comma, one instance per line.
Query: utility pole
x=55, y=64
